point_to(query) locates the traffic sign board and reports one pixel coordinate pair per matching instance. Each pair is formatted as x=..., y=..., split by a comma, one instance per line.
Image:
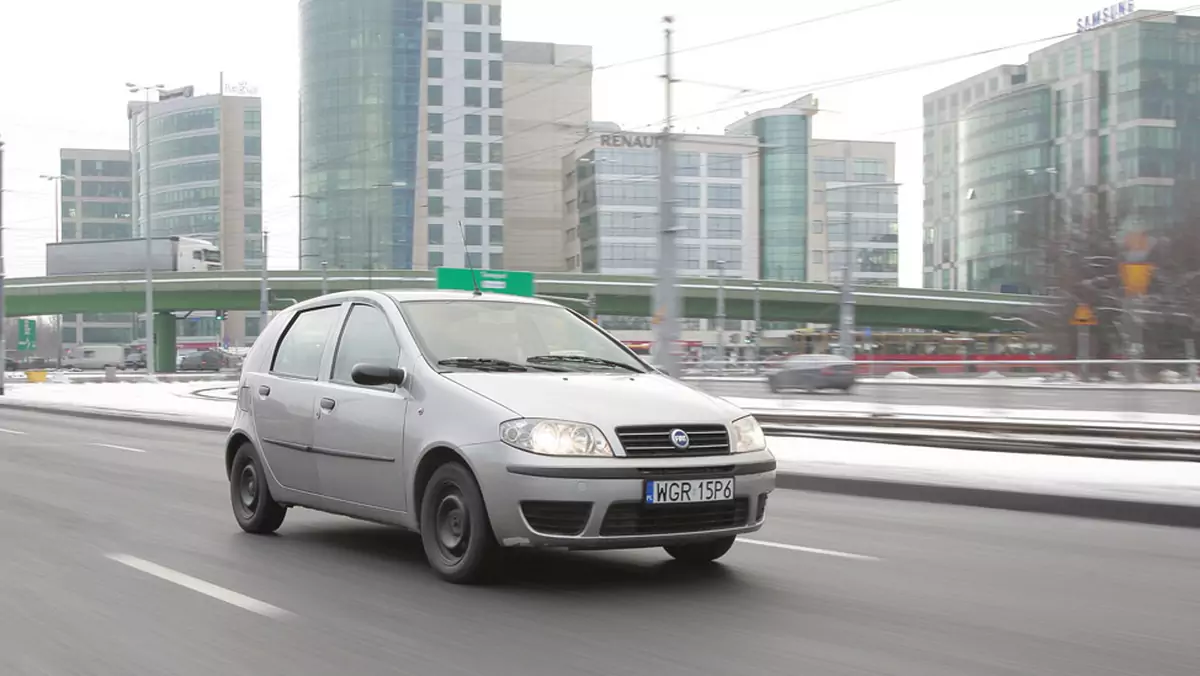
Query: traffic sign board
x=1084, y=316
x=26, y=335
x=496, y=281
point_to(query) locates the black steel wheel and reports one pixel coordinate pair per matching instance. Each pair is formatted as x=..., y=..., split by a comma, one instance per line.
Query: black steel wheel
x=455, y=529
x=253, y=507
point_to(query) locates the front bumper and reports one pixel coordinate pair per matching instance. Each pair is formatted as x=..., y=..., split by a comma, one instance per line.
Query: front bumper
x=578, y=503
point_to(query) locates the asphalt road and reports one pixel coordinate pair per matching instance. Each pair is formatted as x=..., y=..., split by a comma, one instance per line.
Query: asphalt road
x=882, y=588
x=900, y=394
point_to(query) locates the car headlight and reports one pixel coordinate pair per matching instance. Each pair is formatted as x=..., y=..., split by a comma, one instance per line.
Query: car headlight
x=748, y=435
x=555, y=437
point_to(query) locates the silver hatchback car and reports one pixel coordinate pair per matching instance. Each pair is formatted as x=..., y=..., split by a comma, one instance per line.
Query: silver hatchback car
x=486, y=422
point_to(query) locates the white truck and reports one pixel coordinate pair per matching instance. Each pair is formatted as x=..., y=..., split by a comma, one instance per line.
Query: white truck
x=168, y=254
x=93, y=357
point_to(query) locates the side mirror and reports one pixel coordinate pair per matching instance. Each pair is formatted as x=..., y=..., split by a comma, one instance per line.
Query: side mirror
x=373, y=376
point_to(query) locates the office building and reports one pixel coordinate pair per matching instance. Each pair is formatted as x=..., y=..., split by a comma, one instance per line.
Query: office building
x=611, y=195
x=204, y=172
x=401, y=110
x=854, y=191
x=97, y=204
x=1098, y=122
x=547, y=107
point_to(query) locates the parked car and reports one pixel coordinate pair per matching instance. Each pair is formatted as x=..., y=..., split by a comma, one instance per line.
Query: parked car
x=10, y=364
x=209, y=360
x=486, y=421
x=813, y=372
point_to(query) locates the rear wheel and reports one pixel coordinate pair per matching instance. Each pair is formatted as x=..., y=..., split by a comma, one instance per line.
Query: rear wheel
x=701, y=552
x=253, y=507
x=455, y=529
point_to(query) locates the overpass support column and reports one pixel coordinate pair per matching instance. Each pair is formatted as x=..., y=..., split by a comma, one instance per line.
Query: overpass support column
x=164, y=342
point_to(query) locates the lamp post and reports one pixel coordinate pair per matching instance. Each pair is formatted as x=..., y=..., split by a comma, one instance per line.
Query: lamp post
x=57, y=180
x=721, y=310
x=147, y=230
x=3, y=318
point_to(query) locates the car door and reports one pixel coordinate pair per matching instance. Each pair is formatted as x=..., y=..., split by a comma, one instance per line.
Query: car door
x=359, y=431
x=284, y=397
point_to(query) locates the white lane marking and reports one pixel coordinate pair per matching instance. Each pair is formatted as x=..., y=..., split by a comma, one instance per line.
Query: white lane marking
x=197, y=585
x=4, y=431
x=120, y=448
x=809, y=550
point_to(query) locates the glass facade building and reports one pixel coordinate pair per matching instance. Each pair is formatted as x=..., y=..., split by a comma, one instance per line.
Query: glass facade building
x=1108, y=117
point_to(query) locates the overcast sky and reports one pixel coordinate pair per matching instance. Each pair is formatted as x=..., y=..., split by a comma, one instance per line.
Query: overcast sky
x=64, y=64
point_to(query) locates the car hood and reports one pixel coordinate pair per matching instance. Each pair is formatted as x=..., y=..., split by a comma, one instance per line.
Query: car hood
x=606, y=400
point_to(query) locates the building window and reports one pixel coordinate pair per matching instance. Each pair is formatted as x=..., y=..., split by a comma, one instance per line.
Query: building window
x=434, y=66
x=496, y=71
x=689, y=224
x=495, y=125
x=435, y=12
x=725, y=226
x=687, y=164
x=252, y=197
x=472, y=42
x=435, y=123
x=436, y=235
x=472, y=234
x=436, y=151
x=496, y=152
x=436, y=206
x=433, y=38
x=495, y=98
x=725, y=166
x=473, y=97
x=252, y=145
x=472, y=125
x=869, y=170
x=252, y=121
x=730, y=256
x=472, y=69
x=495, y=43
x=435, y=179
x=473, y=179
x=495, y=179
x=493, y=15
x=474, y=260
x=473, y=151
x=688, y=195
x=721, y=196
x=436, y=259
x=473, y=208
x=66, y=167
x=435, y=95
x=496, y=260
x=473, y=15
x=495, y=234
x=496, y=207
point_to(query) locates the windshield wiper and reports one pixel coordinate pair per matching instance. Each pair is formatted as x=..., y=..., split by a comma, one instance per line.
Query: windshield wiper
x=576, y=359
x=483, y=364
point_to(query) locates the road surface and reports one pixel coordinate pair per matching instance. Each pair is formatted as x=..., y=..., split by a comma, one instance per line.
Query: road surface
x=984, y=396
x=121, y=557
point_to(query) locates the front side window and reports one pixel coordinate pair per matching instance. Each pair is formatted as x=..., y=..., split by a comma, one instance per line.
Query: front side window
x=531, y=336
x=299, y=351
x=367, y=338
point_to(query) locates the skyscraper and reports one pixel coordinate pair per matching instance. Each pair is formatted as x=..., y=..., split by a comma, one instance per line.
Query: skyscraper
x=400, y=123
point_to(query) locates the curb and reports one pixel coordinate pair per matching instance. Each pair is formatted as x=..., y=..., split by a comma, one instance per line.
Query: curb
x=1104, y=509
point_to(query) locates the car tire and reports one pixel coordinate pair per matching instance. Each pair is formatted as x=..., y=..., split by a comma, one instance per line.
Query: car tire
x=253, y=507
x=455, y=529
x=701, y=552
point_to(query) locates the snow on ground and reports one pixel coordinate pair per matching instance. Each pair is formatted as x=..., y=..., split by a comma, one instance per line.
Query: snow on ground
x=1147, y=480
x=1176, y=482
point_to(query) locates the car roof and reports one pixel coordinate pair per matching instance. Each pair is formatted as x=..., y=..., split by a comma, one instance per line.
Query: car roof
x=416, y=295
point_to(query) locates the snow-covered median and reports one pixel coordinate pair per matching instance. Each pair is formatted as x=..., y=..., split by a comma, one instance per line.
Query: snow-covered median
x=171, y=401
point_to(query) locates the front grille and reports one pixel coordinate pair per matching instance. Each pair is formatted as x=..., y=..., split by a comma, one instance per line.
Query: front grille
x=636, y=518
x=556, y=517
x=648, y=441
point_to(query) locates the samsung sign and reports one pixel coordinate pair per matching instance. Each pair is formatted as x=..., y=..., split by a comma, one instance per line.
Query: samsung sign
x=630, y=140
x=1107, y=15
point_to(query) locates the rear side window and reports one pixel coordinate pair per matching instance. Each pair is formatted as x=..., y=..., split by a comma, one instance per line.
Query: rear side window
x=300, y=349
x=367, y=338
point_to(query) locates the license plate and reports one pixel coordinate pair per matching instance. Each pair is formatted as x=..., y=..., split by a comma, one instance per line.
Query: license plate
x=684, y=491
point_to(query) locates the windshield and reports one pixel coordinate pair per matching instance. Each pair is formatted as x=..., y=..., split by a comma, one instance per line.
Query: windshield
x=520, y=333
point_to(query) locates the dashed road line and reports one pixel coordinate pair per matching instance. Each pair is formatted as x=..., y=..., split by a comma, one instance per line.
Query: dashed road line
x=200, y=586
x=16, y=432
x=120, y=448
x=809, y=550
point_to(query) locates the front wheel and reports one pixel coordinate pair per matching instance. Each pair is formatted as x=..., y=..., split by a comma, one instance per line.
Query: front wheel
x=253, y=507
x=455, y=529
x=701, y=552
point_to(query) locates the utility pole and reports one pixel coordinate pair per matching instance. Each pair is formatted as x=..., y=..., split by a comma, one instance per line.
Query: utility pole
x=846, y=315
x=264, y=291
x=666, y=311
x=721, y=310
x=757, y=324
x=324, y=278
x=56, y=180
x=146, y=89
x=3, y=318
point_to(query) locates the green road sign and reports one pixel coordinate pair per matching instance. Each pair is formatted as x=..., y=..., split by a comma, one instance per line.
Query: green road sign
x=495, y=281
x=26, y=335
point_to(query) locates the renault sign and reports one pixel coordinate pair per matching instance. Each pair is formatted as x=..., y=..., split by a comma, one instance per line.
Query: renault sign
x=630, y=140
x=1107, y=15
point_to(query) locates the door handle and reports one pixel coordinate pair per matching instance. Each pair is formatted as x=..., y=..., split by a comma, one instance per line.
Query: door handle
x=264, y=390
x=327, y=404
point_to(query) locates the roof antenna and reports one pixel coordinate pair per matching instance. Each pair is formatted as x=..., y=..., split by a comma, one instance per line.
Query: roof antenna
x=474, y=278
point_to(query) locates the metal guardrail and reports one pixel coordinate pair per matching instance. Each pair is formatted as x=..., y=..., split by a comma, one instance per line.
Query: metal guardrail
x=1091, y=370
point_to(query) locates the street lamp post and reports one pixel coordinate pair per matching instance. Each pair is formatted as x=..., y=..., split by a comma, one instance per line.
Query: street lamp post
x=57, y=180
x=324, y=278
x=147, y=231
x=3, y=318
x=264, y=291
x=721, y=310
